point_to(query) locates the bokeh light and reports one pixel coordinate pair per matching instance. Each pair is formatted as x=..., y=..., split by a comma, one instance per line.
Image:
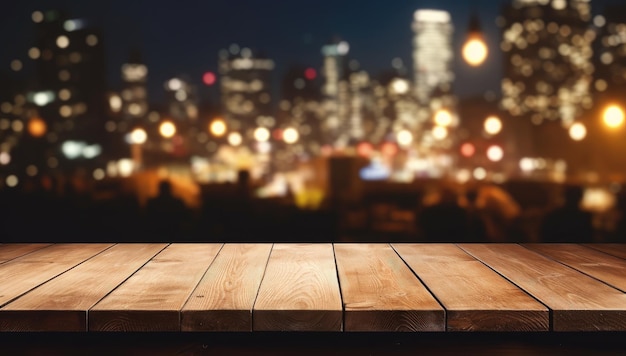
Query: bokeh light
x=167, y=129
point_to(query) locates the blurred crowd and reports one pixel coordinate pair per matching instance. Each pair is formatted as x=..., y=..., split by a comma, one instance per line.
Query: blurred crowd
x=59, y=212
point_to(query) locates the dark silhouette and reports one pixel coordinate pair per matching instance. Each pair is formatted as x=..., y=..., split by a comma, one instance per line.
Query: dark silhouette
x=476, y=228
x=568, y=223
x=445, y=221
x=166, y=215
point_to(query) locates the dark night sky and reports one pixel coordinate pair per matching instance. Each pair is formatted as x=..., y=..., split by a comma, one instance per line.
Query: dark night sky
x=184, y=36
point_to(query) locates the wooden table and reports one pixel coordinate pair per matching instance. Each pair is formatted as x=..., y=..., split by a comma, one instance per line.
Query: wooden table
x=102, y=287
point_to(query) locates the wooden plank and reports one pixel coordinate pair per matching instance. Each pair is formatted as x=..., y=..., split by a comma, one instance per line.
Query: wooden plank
x=299, y=291
x=22, y=274
x=62, y=303
x=380, y=293
x=224, y=298
x=618, y=250
x=152, y=298
x=475, y=297
x=11, y=251
x=609, y=269
x=578, y=302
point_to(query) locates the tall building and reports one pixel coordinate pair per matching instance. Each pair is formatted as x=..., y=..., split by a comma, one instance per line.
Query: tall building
x=64, y=111
x=432, y=59
x=548, y=54
x=134, y=95
x=335, y=89
x=181, y=100
x=245, y=87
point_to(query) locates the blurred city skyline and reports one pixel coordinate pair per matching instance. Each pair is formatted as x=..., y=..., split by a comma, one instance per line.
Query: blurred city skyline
x=184, y=38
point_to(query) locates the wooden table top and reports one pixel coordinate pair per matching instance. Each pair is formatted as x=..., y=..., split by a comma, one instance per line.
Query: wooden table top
x=402, y=287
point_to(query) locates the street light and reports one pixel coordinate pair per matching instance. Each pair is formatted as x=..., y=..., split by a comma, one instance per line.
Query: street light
x=475, y=49
x=613, y=116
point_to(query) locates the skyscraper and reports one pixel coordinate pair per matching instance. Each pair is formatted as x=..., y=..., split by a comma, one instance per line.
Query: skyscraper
x=334, y=89
x=245, y=89
x=67, y=100
x=432, y=59
x=547, y=59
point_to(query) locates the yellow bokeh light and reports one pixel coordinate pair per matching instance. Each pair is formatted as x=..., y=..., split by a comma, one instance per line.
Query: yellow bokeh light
x=404, y=138
x=475, y=51
x=167, y=129
x=234, y=139
x=613, y=116
x=138, y=136
x=37, y=127
x=493, y=125
x=577, y=131
x=217, y=128
x=495, y=153
x=290, y=135
x=261, y=134
x=443, y=118
x=440, y=132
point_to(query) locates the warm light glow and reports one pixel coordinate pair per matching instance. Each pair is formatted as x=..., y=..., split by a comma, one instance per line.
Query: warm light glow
x=404, y=138
x=115, y=102
x=167, y=129
x=495, y=153
x=217, y=128
x=234, y=139
x=262, y=134
x=577, y=131
x=364, y=149
x=493, y=125
x=440, y=132
x=290, y=135
x=138, y=136
x=63, y=41
x=475, y=51
x=613, y=116
x=400, y=86
x=37, y=127
x=443, y=118
x=12, y=181
x=389, y=149
x=479, y=173
x=5, y=158
x=468, y=149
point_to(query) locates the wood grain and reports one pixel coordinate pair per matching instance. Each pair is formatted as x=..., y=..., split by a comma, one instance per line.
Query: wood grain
x=11, y=251
x=578, y=302
x=22, y=274
x=62, y=303
x=618, y=250
x=609, y=269
x=299, y=291
x=224, y=298
x=475, y=297
x=152, y=298
x=380, y=293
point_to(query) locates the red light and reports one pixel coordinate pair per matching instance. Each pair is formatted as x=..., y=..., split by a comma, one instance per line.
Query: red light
x=467, y=149
x=364, y=149
x=278, y=134
x=209, y=78
x=310, y=73
x=389, y=149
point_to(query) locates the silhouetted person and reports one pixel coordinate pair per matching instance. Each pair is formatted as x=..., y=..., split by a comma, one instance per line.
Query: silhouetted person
x=445, y=221
x=166, y=214
x=476, y=230
x=568, y=223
